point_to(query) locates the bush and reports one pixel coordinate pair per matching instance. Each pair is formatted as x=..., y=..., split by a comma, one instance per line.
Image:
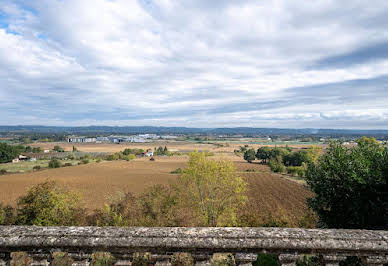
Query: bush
x=250, y=170
x=266, y=260
x=249, y=155
x=46, y=204
x=177, y=171
x=152, y=159
x=54, y=163
x=68, y=164
x=98, y=161
x=71, y=156
x=3, y=172
x=36, y=168
x=85, y=161
x=7, y=215
x=297, y=170
x=58, y=149
x=276, y=166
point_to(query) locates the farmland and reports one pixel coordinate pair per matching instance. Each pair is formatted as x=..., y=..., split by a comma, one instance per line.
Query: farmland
x=97, y=183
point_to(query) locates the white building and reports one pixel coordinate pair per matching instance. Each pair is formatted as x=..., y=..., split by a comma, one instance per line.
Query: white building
x=81, y=140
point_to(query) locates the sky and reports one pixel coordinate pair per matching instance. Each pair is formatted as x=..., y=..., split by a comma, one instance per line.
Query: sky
x=202, y=63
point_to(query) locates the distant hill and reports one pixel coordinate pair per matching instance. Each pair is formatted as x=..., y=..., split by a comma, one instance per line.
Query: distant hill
x=186, y=130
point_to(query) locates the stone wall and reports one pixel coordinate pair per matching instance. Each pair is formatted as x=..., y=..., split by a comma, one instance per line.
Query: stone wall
x=161, y=245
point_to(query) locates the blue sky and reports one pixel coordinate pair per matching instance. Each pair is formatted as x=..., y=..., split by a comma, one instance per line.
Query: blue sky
x=219, y=63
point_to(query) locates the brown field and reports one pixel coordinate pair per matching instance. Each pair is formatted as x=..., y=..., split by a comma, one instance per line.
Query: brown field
x=269, y=193
x=181, y=146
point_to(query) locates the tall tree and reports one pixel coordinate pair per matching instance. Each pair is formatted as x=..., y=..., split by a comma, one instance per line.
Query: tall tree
x=213, y=189
x=7, y=153
x=351, y=186
x=249, y=155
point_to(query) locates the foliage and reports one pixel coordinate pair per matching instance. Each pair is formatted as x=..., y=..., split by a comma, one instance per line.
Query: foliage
x=222, y=259
x=308, y=261
x=133, y=151
x=276, y=165
x=350, y=186
x=3, y=171
x=36, y=168
x=212, y=189
x=102, y=259
x=54, y=163
x=58, y=149
x=46, y=204
x=154, y=207
x=297, y=170
x=161, y=151
x=182, y=259
x=7, y=215
x=85, y=161
x=32, y=149
x=264, y=154
x=249, y=155
x=7, y=153
x=266, y=260
x=177, y=171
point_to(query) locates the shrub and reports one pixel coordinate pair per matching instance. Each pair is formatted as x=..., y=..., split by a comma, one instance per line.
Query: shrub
x=152, y=159
x=276, y=166
x=102, y=259
x=36, y=168
x=222, y=259
x=54, y=163
x=266, y=260
x=7, y=215
x=58, y=149
x=249, y=155
x=46, y=204
x=98, y=161
x=71, y=156
x=3, y=172
x=297, y=170
x=177, y=171
x=182, y=259
x=68, y=164
x=85, y=161
x=250, y=170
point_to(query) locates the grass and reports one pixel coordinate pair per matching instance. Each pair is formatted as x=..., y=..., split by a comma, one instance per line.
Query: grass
x=23, y=167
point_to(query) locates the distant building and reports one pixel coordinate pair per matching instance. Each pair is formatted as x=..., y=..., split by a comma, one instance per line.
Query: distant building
x=169, y=137
x=23, y=158
x=46, y=151
x=148, y=154
x=81, y=140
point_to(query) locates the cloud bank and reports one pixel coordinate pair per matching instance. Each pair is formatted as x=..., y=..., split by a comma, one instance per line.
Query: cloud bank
x=221, y=63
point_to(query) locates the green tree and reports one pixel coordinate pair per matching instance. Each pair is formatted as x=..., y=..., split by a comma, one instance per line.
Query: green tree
x=46, y=204
x=263, y=154
x=54, y=163
x=58, y=148
x=7, y=153
x=249, y=155
x=350, y=186
x=212, y=189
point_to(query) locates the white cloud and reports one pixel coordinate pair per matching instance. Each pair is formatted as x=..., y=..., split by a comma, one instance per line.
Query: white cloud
x=201, y=63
